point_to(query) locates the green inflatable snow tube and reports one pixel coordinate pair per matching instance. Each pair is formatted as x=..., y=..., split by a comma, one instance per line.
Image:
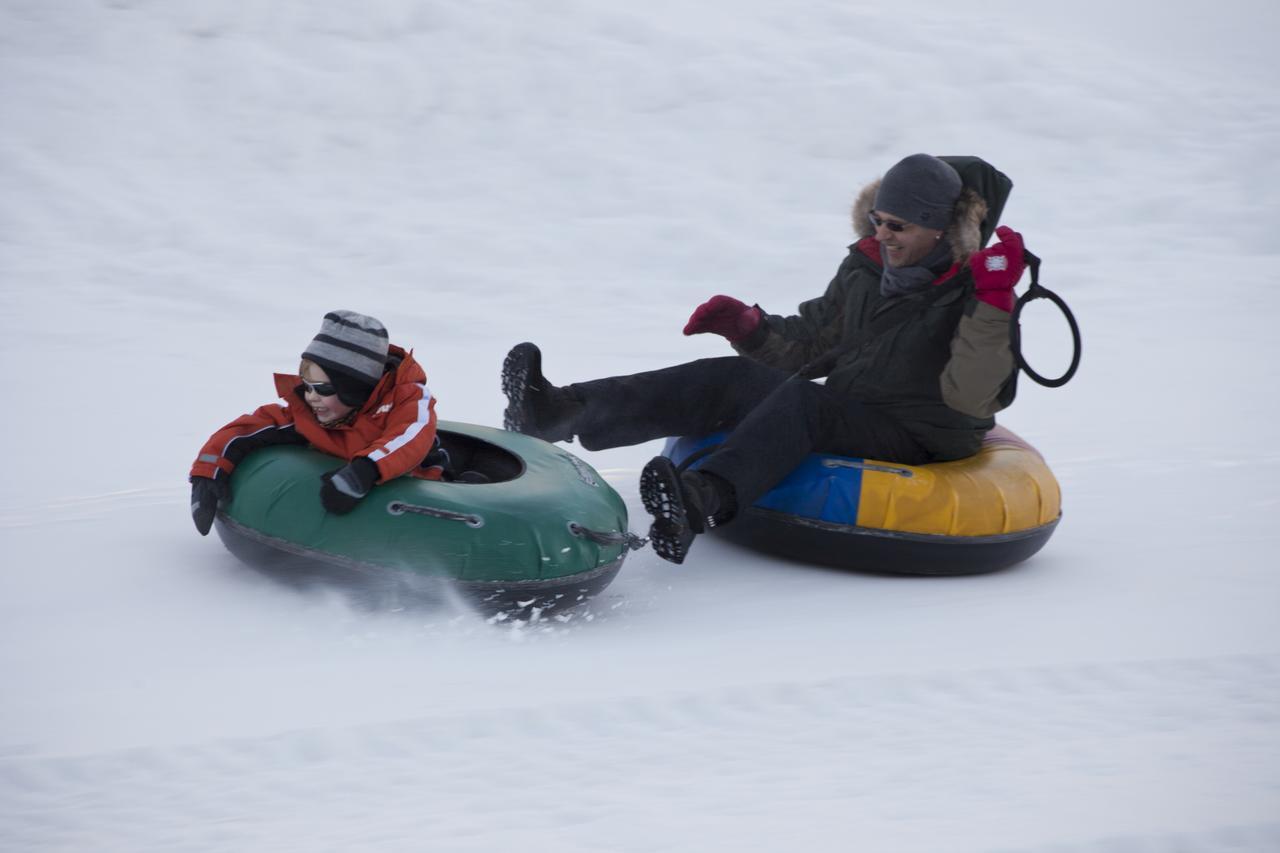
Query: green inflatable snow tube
x=542, y=527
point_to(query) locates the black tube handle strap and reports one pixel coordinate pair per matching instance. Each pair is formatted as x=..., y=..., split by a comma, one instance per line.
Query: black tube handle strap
x=1037, y=291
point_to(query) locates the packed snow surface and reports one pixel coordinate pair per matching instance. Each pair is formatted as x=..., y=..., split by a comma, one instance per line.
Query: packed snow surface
x=186, y=188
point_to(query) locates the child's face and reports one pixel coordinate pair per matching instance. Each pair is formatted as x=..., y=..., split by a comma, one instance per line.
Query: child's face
x=327, y=409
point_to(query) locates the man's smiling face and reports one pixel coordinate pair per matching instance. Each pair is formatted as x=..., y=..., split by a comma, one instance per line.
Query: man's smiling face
x=905, y=243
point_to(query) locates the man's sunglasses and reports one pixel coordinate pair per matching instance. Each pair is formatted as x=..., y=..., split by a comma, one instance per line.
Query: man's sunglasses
x=324, y=389
x=896, y=227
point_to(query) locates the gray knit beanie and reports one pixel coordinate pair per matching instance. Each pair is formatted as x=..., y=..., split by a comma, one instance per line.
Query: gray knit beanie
x=920, y=189
x=352, y=344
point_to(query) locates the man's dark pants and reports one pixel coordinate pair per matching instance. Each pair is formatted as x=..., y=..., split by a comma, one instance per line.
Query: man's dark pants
x=774, y=421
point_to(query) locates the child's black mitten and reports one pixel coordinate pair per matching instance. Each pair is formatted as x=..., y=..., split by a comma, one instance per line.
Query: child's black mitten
x=206, y=494
x=344, y=487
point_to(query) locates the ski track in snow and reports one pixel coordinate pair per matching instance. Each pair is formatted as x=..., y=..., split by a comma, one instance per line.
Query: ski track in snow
x=1191, y=744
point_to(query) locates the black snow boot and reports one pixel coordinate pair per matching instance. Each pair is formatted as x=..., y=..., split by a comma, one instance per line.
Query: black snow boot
x=682, y=505
x=534, y=406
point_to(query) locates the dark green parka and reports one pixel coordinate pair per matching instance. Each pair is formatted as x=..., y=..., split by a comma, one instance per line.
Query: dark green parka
x=938, y=361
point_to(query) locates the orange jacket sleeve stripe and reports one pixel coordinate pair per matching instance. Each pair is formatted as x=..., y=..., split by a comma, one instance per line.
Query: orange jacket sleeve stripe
x=411, y=431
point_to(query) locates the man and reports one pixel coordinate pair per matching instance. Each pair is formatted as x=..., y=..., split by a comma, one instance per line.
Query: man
x=912, y=336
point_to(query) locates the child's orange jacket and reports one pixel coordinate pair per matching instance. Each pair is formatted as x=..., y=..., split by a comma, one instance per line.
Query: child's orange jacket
x=395, y=429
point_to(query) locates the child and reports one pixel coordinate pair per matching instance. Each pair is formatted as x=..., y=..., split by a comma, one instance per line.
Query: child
x=357, y=397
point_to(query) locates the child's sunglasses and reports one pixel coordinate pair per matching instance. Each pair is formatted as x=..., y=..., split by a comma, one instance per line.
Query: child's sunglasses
x=324, y=389
x=896, y=227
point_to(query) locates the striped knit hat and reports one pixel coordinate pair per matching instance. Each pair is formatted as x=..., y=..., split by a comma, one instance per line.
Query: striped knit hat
x=351, y=344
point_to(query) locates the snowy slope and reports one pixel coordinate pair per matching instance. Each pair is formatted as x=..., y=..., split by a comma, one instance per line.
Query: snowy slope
x=186, y=187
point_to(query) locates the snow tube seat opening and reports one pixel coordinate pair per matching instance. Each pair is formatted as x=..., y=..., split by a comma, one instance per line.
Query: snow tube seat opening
x=974, y=515
x=471, y=453
x=516, y=539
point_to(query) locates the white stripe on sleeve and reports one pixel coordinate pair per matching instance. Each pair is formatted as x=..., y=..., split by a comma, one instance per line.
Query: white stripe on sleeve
x=411, y=431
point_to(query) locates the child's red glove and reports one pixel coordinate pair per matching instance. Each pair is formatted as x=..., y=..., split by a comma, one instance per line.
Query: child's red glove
x=997, y=269
x=726, y=316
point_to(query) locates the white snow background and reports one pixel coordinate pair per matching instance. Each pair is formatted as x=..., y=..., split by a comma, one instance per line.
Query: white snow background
x=185, y=189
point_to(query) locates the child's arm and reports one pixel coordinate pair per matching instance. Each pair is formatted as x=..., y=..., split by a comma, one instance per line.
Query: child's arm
x=269, y=425
x=409, y=434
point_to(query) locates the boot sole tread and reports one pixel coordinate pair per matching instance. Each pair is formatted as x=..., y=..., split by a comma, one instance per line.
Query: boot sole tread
x=660, y=494
x=515, y=382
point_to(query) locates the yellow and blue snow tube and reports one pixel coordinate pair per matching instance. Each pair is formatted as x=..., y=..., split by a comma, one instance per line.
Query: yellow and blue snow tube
x=979, y=514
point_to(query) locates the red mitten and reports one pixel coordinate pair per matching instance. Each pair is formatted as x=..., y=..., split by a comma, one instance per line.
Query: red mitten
x=725, y=316
x=997, y=269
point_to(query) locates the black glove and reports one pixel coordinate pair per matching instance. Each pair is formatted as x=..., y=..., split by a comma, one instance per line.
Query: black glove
x=206, y=494
x=344, y=488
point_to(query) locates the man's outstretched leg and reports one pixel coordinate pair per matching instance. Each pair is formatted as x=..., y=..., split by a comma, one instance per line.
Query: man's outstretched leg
x=694, y=398
x=774, y=424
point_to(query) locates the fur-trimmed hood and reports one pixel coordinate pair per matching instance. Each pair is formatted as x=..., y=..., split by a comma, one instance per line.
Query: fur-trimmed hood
x=964, y=233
